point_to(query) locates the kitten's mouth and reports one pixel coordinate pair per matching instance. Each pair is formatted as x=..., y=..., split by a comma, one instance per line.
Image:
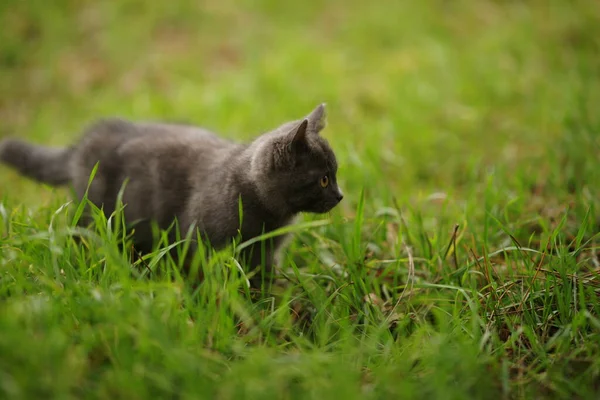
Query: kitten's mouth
x=326, y=207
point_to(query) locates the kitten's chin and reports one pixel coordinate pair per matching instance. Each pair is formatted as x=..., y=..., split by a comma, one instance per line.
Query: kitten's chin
x=324, y=208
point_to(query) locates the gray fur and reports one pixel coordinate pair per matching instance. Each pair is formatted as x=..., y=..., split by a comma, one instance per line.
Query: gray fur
x=45, y=164
x=188, y=173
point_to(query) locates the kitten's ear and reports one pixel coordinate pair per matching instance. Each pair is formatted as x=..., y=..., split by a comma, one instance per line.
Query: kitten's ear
x=318, y=118
x=298, y=134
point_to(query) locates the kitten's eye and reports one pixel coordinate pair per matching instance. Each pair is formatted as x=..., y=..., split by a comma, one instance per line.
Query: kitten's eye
x=324, y=181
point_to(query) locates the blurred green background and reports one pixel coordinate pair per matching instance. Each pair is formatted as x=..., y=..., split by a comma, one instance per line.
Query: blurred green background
x=423, y=97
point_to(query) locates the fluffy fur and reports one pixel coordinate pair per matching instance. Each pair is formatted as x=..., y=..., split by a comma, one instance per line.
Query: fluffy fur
x=192, y=175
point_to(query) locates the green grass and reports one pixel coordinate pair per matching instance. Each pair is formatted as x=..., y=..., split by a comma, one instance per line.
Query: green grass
x=477, y=114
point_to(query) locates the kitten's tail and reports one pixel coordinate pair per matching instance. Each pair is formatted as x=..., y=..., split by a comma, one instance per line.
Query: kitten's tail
x=44, y=164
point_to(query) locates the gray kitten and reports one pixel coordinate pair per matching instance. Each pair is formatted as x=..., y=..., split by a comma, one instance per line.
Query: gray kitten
x=190, y=174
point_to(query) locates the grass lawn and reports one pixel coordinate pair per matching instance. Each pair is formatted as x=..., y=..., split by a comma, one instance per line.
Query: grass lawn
x=463, y=262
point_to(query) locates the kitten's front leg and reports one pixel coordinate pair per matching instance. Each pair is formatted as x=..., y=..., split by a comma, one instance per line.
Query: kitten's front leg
x=258, y=259
x=261, y=257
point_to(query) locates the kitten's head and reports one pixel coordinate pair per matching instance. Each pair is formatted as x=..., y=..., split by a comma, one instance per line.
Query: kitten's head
x=298, y=166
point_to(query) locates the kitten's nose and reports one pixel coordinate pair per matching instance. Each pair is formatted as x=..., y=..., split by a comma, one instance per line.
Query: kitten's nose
x=339, y=195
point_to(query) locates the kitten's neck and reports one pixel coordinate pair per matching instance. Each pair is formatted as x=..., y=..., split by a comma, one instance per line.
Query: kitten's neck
x=249, y=172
